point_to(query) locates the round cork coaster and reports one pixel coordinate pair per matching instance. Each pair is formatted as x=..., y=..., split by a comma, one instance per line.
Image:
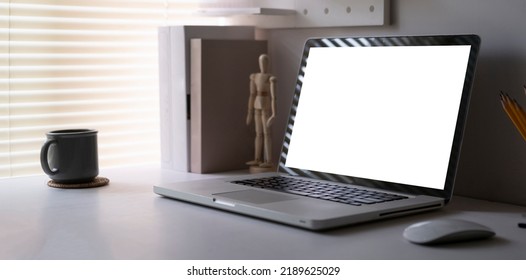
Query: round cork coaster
x=97, y=182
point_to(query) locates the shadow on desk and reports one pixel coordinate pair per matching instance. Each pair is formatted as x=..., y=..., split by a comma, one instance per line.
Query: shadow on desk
x=409, y=220
x=246, y=237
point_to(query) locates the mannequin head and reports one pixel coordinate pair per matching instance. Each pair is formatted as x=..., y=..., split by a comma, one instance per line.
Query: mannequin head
x=263, y=63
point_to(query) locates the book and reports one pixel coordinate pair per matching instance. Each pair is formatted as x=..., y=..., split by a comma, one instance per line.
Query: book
x=220, y=90
x=174, y=86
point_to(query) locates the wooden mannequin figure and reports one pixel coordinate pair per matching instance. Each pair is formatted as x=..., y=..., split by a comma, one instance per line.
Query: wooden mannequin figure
x=262, y=109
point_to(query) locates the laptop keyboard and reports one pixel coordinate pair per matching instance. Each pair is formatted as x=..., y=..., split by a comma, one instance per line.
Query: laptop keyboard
x=321, y=190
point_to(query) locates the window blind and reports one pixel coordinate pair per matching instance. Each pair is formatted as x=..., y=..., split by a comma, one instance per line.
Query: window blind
x=81, y=64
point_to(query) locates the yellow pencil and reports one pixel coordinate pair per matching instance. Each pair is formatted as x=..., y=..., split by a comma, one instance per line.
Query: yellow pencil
x=507, y=109
x=522, y=113
x=519, y=113
x=516, y=110
x=512, y=105
x=512, y=114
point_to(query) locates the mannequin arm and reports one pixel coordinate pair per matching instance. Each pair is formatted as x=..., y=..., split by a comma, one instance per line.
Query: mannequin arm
x=250, y=113
x=270, y=120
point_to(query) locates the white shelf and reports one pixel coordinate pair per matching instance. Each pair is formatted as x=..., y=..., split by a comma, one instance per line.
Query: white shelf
x=302, y=13
x=245, y=11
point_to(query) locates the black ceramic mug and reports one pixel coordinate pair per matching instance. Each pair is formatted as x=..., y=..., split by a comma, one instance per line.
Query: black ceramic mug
x=70, y=156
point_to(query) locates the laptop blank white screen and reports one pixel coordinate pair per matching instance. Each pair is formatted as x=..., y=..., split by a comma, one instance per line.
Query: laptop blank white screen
x=384, y=113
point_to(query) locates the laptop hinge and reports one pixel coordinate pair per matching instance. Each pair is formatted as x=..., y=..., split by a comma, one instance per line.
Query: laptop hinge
x=415, y=209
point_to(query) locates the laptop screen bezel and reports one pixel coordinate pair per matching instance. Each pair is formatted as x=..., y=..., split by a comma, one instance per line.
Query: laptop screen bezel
x=431, y=40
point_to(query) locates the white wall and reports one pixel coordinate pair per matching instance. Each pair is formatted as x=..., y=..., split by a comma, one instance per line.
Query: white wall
x=493, y=164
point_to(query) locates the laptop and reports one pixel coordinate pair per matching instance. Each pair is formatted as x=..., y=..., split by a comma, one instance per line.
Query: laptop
x=374, y=132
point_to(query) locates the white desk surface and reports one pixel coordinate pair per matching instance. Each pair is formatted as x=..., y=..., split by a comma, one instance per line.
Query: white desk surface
x=126, y=220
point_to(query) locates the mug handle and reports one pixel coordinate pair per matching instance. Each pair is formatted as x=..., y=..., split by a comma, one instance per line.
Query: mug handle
x=43, y=157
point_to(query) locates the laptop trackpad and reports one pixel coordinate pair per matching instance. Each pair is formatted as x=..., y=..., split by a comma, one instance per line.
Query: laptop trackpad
x=255, y=196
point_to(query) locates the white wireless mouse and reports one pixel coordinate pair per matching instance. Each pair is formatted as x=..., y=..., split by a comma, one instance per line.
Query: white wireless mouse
x=446, y=231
